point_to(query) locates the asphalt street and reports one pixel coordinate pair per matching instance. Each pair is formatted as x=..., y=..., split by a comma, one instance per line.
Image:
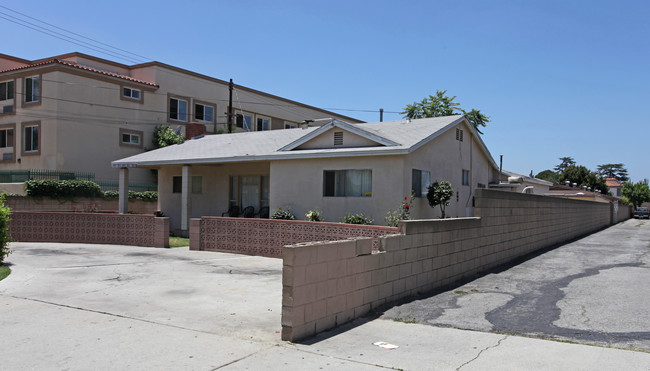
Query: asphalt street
x=595, y=290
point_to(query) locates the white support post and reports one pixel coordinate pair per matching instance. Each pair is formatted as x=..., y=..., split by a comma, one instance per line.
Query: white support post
x=186, y=201
x=123, y=205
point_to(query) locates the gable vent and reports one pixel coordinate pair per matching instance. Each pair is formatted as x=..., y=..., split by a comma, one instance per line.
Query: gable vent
x=338, y=138
x=459, y=134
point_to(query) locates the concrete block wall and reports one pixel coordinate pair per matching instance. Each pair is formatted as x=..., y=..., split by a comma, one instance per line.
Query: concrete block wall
x=265, y=237
x=326, y=284
x=117, y=229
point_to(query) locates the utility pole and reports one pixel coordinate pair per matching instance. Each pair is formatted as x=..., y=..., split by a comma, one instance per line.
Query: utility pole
x=230, y=87
x=381, y=115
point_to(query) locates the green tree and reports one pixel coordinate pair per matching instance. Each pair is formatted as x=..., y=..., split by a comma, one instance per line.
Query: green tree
x=636, y=193
x=583, y=177
x=617, y=171
x=549, y=175
x=566, y=162
x=5, y=213
x=164, y=136
x=439, y=194
x=443, y=105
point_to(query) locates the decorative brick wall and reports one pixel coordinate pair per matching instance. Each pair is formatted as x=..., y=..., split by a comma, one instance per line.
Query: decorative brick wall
x=328, y=284
x=78, y=205
x=265, y=237
x=116, y=229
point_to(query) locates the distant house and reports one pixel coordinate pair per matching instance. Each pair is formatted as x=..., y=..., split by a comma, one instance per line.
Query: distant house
x=576, y=193
x=77, y=113
x=522, y=183
x=615, y=186
x=337, y=167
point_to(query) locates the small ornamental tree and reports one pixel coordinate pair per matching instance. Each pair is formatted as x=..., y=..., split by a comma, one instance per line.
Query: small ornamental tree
x=5, y=212
x=439, y=194
x=164, y=136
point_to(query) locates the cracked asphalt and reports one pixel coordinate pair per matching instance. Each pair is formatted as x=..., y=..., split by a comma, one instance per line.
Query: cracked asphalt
x=595, y=290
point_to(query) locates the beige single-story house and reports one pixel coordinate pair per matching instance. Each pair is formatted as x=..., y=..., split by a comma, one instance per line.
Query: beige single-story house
x=335, y=167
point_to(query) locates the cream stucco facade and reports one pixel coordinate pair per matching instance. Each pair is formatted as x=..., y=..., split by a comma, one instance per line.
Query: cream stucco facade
x=88, y=112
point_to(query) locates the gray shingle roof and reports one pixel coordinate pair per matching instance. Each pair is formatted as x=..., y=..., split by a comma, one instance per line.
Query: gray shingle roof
x=267, y=145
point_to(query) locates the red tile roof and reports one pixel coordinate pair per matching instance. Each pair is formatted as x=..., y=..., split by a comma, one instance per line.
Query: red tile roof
x=81, y=67
x=613, y=182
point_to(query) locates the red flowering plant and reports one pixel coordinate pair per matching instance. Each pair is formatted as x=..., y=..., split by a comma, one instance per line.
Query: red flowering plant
x=403, y=212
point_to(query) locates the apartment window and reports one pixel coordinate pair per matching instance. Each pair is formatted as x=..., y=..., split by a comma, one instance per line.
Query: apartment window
x=6, y=90
x=245, y=121
x=347, y=183
x=131, y=138
x=131, y=93
x=32, y=89
x=204, y=112
x=263, y=123
x=31, y=138
x=250, y=190
x=197, y=184
x=465, y=177
x=177, y=109
x=6, y=138
x=420, y=181
x=290, y=125
x=459, y=134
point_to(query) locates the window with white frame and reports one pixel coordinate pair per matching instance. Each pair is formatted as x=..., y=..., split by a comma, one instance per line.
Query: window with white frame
x=290, y=125
x=347, y=183
x=32, y=89
x=177, y=109
x=204, y=112
x=6, y=138
x=6, y=90
x=465, y=177
x=31, y=136
x=129, y=138
x=420, y=182
x=263, y=123
x=131, y=93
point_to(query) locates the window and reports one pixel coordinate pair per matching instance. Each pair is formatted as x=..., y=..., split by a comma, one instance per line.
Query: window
x=338, y=138
x=420, y=181
x=459, y=134
x=131, y=93
x=6, y=90
x=347, y=183
x=197, y=184
x=465, y=177
x=245, y=121
x=6, y=138
x=263, y=123
x=177, y=109
x=251, y=190
x=203, y=112
x=131, y=138
x=32, y=89
x=31, y=143
x=290, y=125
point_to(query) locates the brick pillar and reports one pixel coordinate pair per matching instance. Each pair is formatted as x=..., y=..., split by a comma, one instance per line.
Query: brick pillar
x=194, y=129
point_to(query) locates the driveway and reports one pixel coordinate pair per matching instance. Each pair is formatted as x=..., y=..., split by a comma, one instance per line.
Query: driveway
x=595, y=290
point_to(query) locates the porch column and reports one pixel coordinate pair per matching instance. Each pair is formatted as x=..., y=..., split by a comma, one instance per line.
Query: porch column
x=123, y=205
x=186, y=202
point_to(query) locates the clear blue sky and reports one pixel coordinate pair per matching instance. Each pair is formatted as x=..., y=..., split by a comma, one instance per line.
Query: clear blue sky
x=557, y=78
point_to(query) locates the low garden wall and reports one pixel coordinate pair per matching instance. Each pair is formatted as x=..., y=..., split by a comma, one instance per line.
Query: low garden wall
x=265, y=237
x=79, y=204
x=326, y=284
x=116, y=229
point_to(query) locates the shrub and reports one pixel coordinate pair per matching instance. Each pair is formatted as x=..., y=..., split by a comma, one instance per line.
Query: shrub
x=314, y=216
x=164, y=136
x=149, y=196
x=5, y=212
x=403, y=212
x=359, y=218
x=63, y=188
x=282, y=214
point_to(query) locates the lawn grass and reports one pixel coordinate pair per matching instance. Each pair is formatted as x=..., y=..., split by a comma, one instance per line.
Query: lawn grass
x=178, y=241
x=4, y=271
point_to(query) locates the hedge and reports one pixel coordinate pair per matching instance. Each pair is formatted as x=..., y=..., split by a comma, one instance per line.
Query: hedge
x=79, y=188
